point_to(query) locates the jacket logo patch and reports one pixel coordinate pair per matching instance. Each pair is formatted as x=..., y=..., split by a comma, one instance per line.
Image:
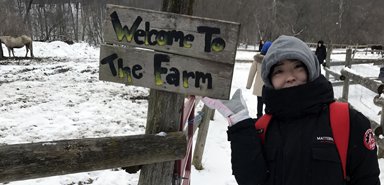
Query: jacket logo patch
x=260, y=131
x=325, y=139
x=369, y=140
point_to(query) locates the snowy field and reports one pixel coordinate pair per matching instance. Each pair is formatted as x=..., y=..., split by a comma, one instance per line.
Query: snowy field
x=58, y=96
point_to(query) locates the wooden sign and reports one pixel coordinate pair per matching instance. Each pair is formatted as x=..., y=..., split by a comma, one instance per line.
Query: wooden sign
x=174, y=33
x=169, y=72
x=167, y=51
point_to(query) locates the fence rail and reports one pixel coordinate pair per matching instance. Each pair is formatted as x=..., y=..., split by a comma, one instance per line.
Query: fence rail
x=50, y=158
x=348, y=76
x=43, y=159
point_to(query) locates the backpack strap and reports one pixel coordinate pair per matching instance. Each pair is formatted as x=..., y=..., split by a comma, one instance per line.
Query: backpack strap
x=339, y=116
x=261, y=126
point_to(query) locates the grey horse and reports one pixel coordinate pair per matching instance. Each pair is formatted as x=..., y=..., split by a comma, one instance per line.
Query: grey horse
x=17, y=42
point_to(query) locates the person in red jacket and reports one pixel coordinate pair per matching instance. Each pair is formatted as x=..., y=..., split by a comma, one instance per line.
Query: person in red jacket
x=299, y=146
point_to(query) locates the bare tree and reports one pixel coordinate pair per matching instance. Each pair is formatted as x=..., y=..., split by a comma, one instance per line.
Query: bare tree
x=335, y=21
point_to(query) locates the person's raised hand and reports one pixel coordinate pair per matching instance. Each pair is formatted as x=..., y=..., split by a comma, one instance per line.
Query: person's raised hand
x=235, y=109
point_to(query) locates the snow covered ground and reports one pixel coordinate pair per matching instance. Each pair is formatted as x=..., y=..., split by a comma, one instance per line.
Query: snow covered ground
x=58, y=96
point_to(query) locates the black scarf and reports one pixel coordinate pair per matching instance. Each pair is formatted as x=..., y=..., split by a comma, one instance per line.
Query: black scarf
x=299, y=100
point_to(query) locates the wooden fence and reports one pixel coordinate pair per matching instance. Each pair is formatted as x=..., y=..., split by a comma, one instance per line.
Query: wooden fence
x=348, y=76
x=164, y=152
x=50, y=158
x=43, y=159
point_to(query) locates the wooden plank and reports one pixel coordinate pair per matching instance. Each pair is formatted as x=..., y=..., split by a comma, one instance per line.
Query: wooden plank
x=366, y=82
x=333, y=73
x=196, y=37
x=164, y=114
x=244, y=61
x=181, y=74
x=201, y=138
x=50, y=2
x=35, y=160
x=368, y=61
x=337, y=63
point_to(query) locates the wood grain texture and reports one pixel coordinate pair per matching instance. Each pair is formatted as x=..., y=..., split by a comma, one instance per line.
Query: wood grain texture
x=229, y=32
x=221, y=73
x=35, y=160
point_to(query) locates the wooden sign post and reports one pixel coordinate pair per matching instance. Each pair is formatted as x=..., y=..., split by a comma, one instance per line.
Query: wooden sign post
x=172, y=54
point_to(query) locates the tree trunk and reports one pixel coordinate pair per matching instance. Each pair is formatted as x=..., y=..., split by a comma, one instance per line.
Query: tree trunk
x=47, y=32
x=341, y=12
x=77, y=23
x=26, y=17
x=72, y=21
x=83, y=22
x=27, y=20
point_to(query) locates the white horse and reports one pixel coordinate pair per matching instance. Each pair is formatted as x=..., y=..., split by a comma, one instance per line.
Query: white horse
x=17, y=42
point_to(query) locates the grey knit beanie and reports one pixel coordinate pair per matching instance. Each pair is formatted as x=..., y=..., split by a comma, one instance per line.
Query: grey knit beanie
x=289, y=48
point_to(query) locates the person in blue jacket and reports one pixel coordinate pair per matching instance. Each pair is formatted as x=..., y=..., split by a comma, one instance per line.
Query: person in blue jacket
x=294, y=151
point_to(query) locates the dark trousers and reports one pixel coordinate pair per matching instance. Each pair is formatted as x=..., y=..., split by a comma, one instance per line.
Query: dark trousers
x=259, y=106
x=381, y=74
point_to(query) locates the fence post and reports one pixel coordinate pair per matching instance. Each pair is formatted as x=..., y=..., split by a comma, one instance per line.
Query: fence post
x=201, y=138
x=164, y=114
x=328, y=60
x=380, y=153
x=1, y=51
x=348, y=61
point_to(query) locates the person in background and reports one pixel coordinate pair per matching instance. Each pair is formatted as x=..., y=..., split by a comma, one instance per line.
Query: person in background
x=381, y=74
x=321, y=52
x=299, y=147
x=256, y=69
x=261, y=44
